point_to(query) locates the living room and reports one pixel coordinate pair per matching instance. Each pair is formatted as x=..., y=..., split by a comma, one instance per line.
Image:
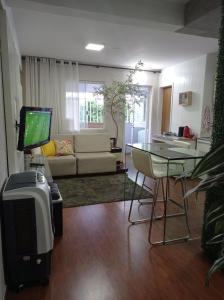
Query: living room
x=175, y=54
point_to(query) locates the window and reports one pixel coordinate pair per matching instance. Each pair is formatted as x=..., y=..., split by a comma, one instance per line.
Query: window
x=90, y=105
x=138, y=111
x=137, y=117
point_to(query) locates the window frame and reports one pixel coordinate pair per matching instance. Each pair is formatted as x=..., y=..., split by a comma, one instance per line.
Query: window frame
x=92, y=129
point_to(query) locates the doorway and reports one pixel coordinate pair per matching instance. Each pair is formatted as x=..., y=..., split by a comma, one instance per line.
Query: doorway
x=166, y=107
x=137, y=122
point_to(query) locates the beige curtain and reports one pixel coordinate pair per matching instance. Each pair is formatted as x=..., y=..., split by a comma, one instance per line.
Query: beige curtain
x=55, y=84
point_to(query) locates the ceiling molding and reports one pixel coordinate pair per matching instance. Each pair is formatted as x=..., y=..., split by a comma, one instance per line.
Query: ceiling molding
x=203, y=18
x=194, y=10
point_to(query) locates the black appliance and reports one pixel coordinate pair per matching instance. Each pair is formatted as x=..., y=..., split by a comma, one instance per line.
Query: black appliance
x=180, y=131
x=27, y=233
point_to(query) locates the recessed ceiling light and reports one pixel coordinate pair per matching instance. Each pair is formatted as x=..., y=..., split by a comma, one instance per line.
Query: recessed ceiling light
x=94, y=47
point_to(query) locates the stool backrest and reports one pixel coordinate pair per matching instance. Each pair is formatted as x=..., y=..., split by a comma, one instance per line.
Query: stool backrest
x=142, y=162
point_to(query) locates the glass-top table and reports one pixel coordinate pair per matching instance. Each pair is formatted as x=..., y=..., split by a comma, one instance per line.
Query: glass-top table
x=170, y=154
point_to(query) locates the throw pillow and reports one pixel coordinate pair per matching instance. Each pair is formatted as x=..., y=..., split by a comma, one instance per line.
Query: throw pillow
x=63, y=147
x=48, y=149
x=36, y=151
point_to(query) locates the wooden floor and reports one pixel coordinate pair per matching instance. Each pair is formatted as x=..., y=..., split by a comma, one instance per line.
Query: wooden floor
x=102, y=257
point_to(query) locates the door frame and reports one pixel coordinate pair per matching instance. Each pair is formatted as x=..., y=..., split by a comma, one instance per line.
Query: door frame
x=171, y=103
x=147, y=115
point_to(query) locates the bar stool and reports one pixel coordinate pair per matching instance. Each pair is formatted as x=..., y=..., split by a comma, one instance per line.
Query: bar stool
x=181, y=163
x=182, y=144
x=143, y=164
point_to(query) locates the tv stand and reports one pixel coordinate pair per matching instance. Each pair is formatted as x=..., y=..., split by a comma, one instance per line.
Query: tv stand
x=38, y=163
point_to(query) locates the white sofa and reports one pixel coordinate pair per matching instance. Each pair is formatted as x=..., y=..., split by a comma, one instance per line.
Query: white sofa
x=91, y=155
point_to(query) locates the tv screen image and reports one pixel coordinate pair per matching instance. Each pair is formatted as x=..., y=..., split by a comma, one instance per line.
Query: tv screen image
x=34, y=128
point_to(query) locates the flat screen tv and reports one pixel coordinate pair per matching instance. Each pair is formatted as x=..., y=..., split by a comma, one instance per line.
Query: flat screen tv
x=34, y=127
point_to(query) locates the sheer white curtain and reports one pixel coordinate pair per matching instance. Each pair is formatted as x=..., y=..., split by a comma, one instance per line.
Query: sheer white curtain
x=51, y=83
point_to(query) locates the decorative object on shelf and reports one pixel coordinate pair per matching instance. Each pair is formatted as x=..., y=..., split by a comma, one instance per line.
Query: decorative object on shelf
x=113, y=142
x=180, y=131
x=117, y=151
x=206, y=121
x=115, y=97
x=187, y=133
x=185, y=98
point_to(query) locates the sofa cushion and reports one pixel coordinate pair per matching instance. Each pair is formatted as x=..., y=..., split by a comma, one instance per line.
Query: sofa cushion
x=62, y=137
x=91, y=142
x=99, y=162
x=62, y=165
x=48, y=149
x=63, y=147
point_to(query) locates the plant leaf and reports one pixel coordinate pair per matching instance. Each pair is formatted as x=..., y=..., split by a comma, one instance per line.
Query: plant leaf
x=214, y=220
x=218, y=265
x=207, y=183
x=212, y=159
x=214, y=211
x=218, y=239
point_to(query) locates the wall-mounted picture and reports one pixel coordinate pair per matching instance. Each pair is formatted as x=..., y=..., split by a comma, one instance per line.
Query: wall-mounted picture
x=185, y=98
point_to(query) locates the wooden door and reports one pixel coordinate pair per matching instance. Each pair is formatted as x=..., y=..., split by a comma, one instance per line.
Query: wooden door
x=167, y=92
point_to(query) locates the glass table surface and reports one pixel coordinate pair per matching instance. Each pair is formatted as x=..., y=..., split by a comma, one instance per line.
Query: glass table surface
x=169, y=152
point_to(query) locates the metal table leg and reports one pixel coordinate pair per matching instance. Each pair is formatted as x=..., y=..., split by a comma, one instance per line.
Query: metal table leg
x=165, y=241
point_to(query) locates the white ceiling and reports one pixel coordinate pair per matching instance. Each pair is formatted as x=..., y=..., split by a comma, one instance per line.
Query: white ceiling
x=65, y=36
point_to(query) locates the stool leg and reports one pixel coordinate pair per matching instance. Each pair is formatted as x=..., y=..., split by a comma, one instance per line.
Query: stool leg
x=185, y=188
x=185, y=191
x=140, y=194
x=157, y=192
x=185, y=206
x=163, y=194
x=132, y=198
x=130, y=220
x=156, y=183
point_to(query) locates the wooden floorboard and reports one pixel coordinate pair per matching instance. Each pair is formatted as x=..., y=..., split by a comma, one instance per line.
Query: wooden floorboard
x=102, y=257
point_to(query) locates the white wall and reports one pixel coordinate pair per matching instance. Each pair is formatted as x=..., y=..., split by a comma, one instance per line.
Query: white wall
x=107, y=75
x=187, y=76
x=11, y=25
x=11, y=63
x=3, y=174
x=9, y=107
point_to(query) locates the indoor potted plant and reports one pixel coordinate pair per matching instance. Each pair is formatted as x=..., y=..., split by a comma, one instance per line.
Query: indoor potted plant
x=212, y=168
x=115, y=98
